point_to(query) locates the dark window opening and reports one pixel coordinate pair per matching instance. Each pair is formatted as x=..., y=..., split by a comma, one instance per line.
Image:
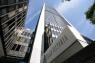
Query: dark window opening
x=3, y=11
x=11, y=26
x=18, y=15
x=20, y=0
x=20, y=5
x=11, y=8
x=9, y=22
x=18, y=47
x=11, y=1
x=14, y=47
x=4, y=19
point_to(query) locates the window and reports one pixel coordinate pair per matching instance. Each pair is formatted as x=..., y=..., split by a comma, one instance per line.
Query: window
x=26, y=40
x=25, y=34
x=7, y=33
x=3, y=2
x=11, y=27
x=11, y=8
x=4, y=19
x=4, y=25
x=0, y=12
x=18, y=15
x=7, y=38
x=20, y=0
x=20, y=5
x=11, y=1
x=16, y=34
x=11, y=21
x=18, y=39
x=13, y=48
x=18, y=47
x=22, y=48
x=23, y=15
x=3, y=11
x=28, y=34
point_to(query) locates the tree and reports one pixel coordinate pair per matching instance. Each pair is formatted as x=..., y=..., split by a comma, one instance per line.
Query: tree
x=90, y=14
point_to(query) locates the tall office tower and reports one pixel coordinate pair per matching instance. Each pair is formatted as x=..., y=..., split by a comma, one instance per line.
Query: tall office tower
x=12, y=15
x=67, y=41
x=55, y=24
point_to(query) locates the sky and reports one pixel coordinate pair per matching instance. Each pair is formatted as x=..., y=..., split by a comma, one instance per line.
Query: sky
x=33, y=13
x=74, y=12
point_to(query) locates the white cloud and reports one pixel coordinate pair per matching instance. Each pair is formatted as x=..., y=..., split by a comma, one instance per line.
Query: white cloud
x=65, y=6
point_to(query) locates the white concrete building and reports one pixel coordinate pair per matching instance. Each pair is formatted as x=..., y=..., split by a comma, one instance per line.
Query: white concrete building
x=21, y=42
x=56, y=22
x=67, y=41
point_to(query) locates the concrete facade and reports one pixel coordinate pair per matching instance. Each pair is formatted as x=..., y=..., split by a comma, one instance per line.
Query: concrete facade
x=21, y=42
x=12, y=15
x=68, y=41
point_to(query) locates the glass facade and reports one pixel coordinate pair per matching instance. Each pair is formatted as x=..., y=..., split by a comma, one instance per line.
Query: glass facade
x=55, y=24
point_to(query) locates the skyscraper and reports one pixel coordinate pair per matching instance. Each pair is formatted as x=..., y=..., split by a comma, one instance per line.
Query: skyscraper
x=55, y=24
x=56, y=39
x=12, y=15
x=67, y=41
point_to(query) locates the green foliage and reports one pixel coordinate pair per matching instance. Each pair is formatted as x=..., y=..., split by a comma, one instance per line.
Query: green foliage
x=90, y=14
